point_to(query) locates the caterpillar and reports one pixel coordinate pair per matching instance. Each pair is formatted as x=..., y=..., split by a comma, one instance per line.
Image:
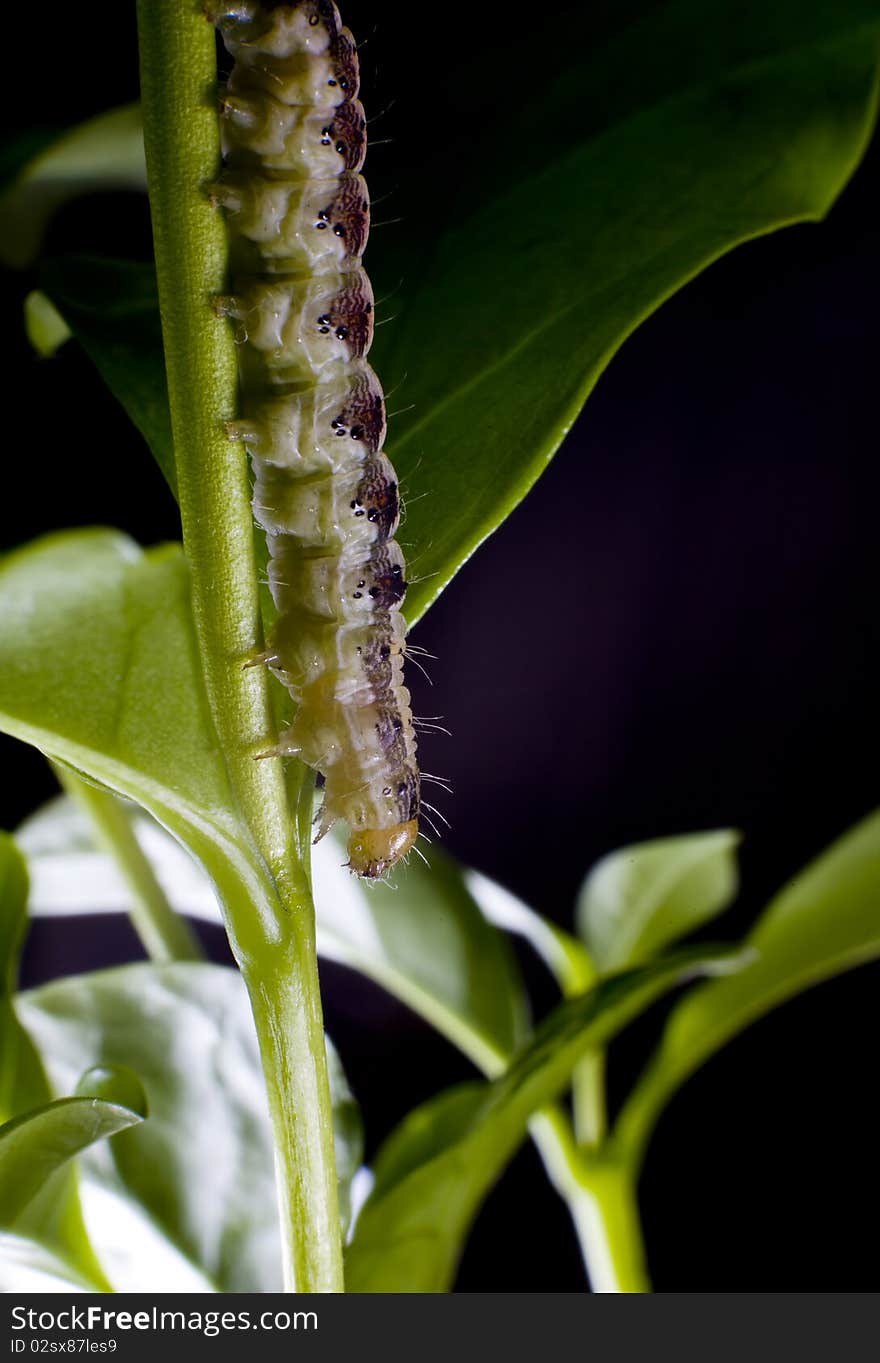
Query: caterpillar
x=313, y=412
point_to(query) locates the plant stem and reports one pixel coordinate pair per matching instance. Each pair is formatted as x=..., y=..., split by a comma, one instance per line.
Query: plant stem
x=601, y=1197
x=588, y=1099
x=165, y=934
x=273, y=934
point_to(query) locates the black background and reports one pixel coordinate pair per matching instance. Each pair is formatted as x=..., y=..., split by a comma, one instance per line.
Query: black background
x=704, y=653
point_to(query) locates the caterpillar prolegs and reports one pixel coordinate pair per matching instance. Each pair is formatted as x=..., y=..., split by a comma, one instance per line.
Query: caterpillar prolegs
x=313, y=412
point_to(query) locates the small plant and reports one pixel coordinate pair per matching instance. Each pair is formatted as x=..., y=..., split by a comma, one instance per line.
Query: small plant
x=199, y=1100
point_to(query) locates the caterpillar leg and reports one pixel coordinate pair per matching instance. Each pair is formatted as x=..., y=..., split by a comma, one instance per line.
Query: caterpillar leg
x=265, y=659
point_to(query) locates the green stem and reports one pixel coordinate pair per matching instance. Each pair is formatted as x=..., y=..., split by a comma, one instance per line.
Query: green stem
x=588, y=1099
x=165, y=934
x=273, y=933
x=601, y=1197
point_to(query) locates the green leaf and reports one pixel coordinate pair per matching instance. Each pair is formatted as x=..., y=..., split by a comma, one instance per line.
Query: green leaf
x=649, y=169
x=825, y=921
x=70, y=875
x=563, y=955
x=637, y=900
x=112, y=308
x=45, y=327
x=187, y=1201
x=35, y=1145
x=98, y=668
x=421, y=937
x=105, y=153
x=436, y=1169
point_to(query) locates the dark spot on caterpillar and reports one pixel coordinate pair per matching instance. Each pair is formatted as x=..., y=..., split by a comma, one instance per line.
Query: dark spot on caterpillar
x=356, y=432
x=339, y=229
x=386, y=790
x=341, y=148
x=320, y=225
x=385, y=651
x=342, y=333
x=357, y=595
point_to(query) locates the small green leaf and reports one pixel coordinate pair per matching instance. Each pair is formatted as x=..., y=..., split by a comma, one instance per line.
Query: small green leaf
x=105, y=153
x=35, y=1145
x=437, y=1168
x=45, y=327
x=112, y=308
x=825, y=921
x=188, y=1198
x=638, y=899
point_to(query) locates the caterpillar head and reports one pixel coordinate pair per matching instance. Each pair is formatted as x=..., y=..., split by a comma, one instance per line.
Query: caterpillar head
x=373, y=851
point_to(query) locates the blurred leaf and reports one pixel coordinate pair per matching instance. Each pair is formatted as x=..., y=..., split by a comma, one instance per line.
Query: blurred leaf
x=825, y=921
x=112, y=308
x=35, y=1145
x=188, y=1198
x=26, y=1266
x=22, y=1082
x=104, y=153
x=438, y=1166
x=46, y=329
x=637, y=900
x=563, y=955
x=71, y=875
x=54, y=1214
x=422, y=936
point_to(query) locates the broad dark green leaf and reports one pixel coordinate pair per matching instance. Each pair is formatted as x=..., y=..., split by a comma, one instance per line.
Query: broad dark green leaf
x=104, y=153
x=188, y=1200
x=436, y=1169
x=98, y=668
x=640, y=898
x=825, y=921
x=650, y=154
x=626, y=174
x=36, y=1144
